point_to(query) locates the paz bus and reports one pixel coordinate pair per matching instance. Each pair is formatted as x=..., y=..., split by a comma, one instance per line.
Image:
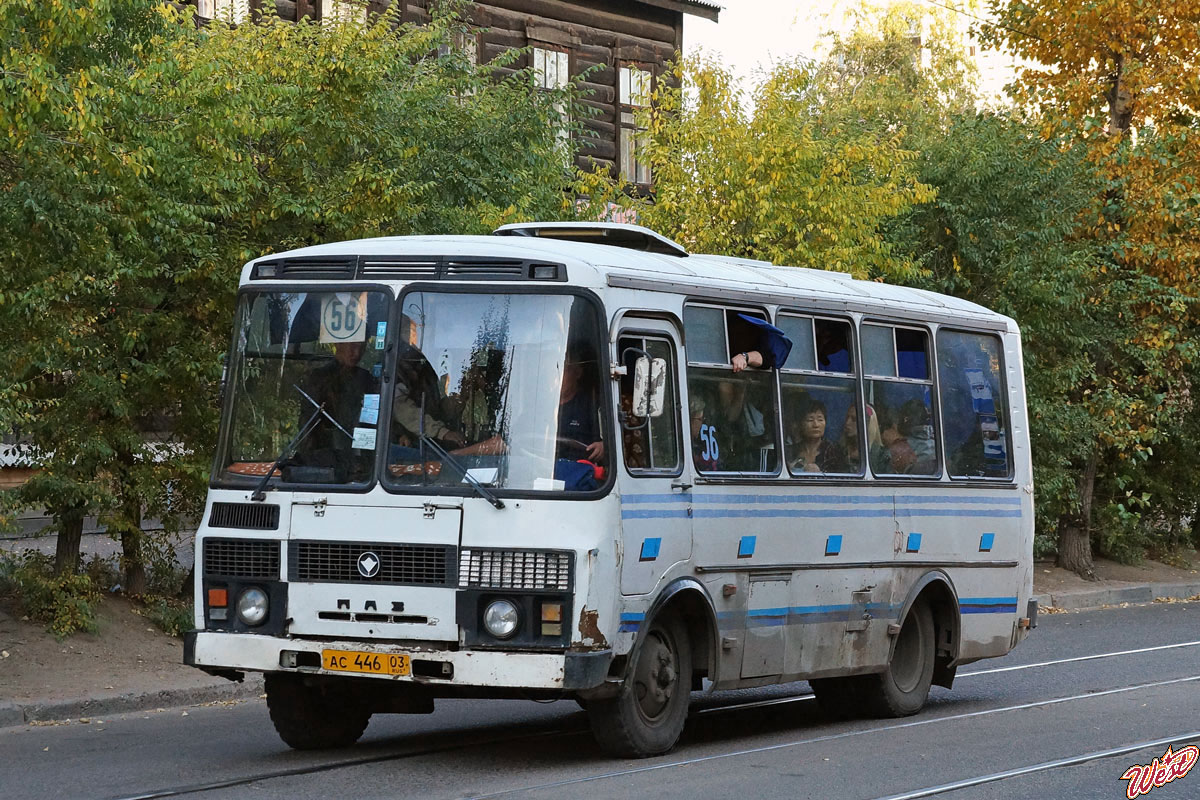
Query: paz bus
x=577, y=461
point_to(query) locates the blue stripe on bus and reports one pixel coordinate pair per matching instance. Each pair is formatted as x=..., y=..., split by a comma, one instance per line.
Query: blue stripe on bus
x=825, y=499
x=812, y=513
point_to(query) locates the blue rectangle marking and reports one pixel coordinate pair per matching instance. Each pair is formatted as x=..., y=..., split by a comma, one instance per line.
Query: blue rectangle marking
x=650, y=548
x=833, y=545
x=914, y=543
x=986, y=541
x=746, y=546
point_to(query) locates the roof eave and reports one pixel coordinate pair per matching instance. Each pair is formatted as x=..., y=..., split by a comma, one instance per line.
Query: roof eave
x=707, y=11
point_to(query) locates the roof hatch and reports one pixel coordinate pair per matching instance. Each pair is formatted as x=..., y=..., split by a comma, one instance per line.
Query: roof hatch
x=633, y=237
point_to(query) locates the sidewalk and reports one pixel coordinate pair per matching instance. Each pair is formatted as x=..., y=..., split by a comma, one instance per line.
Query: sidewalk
x=133, y=667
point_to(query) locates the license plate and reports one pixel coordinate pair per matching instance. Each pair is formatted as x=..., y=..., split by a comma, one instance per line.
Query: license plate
x=369, y=663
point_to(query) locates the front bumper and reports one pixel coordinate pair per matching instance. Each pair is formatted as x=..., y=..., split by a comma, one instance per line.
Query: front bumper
x=226, y=653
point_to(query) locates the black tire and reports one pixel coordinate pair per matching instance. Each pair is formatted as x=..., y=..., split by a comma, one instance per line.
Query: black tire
x=902, y=689
x=317, y=717
x=647, y=716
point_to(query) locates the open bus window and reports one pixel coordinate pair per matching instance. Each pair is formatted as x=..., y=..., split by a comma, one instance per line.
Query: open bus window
x=306, y=373
x=822, y=434
x=900, y=391
x=503, y=387
x=970, y=366
x=733, y=415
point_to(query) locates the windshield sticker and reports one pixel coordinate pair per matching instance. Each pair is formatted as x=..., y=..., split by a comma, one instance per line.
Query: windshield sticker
x=364, y=439
x=370, y=409
x=344, y=318
x=380, y=334
x=377, y=369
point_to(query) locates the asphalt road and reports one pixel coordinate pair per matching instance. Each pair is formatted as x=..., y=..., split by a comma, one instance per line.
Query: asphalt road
x=1067, y=723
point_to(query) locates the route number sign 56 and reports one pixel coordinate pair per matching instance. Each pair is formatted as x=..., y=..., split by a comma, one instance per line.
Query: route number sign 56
x=344, y=317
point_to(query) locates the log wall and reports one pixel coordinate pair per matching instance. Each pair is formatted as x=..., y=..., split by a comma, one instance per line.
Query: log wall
x=598, y=35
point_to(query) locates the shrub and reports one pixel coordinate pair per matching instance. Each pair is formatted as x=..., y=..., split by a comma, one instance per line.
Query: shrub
x=66, y=603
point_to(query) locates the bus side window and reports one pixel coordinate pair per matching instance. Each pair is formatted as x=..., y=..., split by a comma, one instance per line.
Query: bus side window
x=732, y=415
x=820, y=399
x=653, y=444
x=900, y=390
x=970, y=366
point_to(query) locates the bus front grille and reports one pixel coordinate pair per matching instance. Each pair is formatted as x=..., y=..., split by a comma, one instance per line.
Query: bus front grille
x=256, y=516
x=241, y=558
x=371, y=562
x=515, y=569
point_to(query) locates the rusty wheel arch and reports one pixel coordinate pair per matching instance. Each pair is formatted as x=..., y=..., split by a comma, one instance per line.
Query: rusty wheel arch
x=937, y=588
x=689, y=598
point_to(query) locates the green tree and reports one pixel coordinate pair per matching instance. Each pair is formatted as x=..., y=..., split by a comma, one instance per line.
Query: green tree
x=1118, y=78
x=769, y=180
x=143, y=160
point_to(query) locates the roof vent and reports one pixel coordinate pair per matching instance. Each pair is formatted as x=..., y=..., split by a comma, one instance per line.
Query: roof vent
x=633, y=237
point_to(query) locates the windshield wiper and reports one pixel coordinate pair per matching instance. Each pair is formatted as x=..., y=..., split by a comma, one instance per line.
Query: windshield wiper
x=321, y=408
x=470, y=479
x=308, y=427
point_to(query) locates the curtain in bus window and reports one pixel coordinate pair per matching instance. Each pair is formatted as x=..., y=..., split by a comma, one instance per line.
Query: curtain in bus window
x=970, y=366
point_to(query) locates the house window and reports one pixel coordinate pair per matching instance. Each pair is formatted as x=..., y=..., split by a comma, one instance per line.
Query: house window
x=233, y=12
x=462, y=42
x=344, y=10
x=635, y=88
x=551, y=69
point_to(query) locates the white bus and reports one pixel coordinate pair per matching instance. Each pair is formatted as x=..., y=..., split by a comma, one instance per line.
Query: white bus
x=537, y=464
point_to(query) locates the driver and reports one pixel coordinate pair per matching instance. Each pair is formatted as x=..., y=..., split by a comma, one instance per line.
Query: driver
x=578, y=417
x=338, y=385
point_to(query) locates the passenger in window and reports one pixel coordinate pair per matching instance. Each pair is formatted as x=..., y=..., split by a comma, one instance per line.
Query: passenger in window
x=916, y=424
x=808, y=448
x=850, y=445
x=634, y=441
x=898, y=456
x=761, y=344
x=741, y=428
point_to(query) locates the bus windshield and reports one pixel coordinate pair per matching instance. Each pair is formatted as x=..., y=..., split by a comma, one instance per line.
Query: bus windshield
x=305, y=381
x=490, y=389
x=506, y=389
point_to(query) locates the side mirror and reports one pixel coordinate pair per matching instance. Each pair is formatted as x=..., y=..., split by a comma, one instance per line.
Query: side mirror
x=658, y=386
x=649, y=386
x=641, y=386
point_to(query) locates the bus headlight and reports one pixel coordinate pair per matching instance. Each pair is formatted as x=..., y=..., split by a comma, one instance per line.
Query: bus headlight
x=501, y=618
x=252, y=606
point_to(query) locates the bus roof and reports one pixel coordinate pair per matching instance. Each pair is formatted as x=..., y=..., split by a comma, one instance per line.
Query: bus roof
x=597, y=266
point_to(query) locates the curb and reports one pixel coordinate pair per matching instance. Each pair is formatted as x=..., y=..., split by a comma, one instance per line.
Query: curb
x=1081, y=600
x=13, y=714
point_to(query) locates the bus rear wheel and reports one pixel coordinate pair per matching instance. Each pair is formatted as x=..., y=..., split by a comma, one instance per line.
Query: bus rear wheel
x=902, y=689
x=647, y=716
x=314, y=717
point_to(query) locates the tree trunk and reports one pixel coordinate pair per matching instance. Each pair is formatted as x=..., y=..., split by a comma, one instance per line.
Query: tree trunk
x=1074, y=532
x=1120, y=100
x=70, y=535
x=132, y=558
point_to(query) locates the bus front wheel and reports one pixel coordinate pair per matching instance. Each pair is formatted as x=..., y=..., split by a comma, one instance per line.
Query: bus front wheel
x=647, y=716
x=314, y=717
x=903, y=688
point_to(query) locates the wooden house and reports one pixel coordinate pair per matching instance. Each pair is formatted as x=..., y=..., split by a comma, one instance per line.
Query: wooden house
x=624, y=43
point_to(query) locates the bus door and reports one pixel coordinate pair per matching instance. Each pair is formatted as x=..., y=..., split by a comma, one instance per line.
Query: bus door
x=373, y=569
x=655, y=482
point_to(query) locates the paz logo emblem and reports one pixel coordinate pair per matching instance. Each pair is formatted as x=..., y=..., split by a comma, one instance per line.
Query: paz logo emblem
x=368, y=565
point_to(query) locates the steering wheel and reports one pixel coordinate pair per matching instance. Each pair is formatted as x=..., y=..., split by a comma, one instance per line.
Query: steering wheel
x=572, y=449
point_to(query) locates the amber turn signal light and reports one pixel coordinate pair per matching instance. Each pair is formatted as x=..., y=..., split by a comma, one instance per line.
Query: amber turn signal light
x=218, y=598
